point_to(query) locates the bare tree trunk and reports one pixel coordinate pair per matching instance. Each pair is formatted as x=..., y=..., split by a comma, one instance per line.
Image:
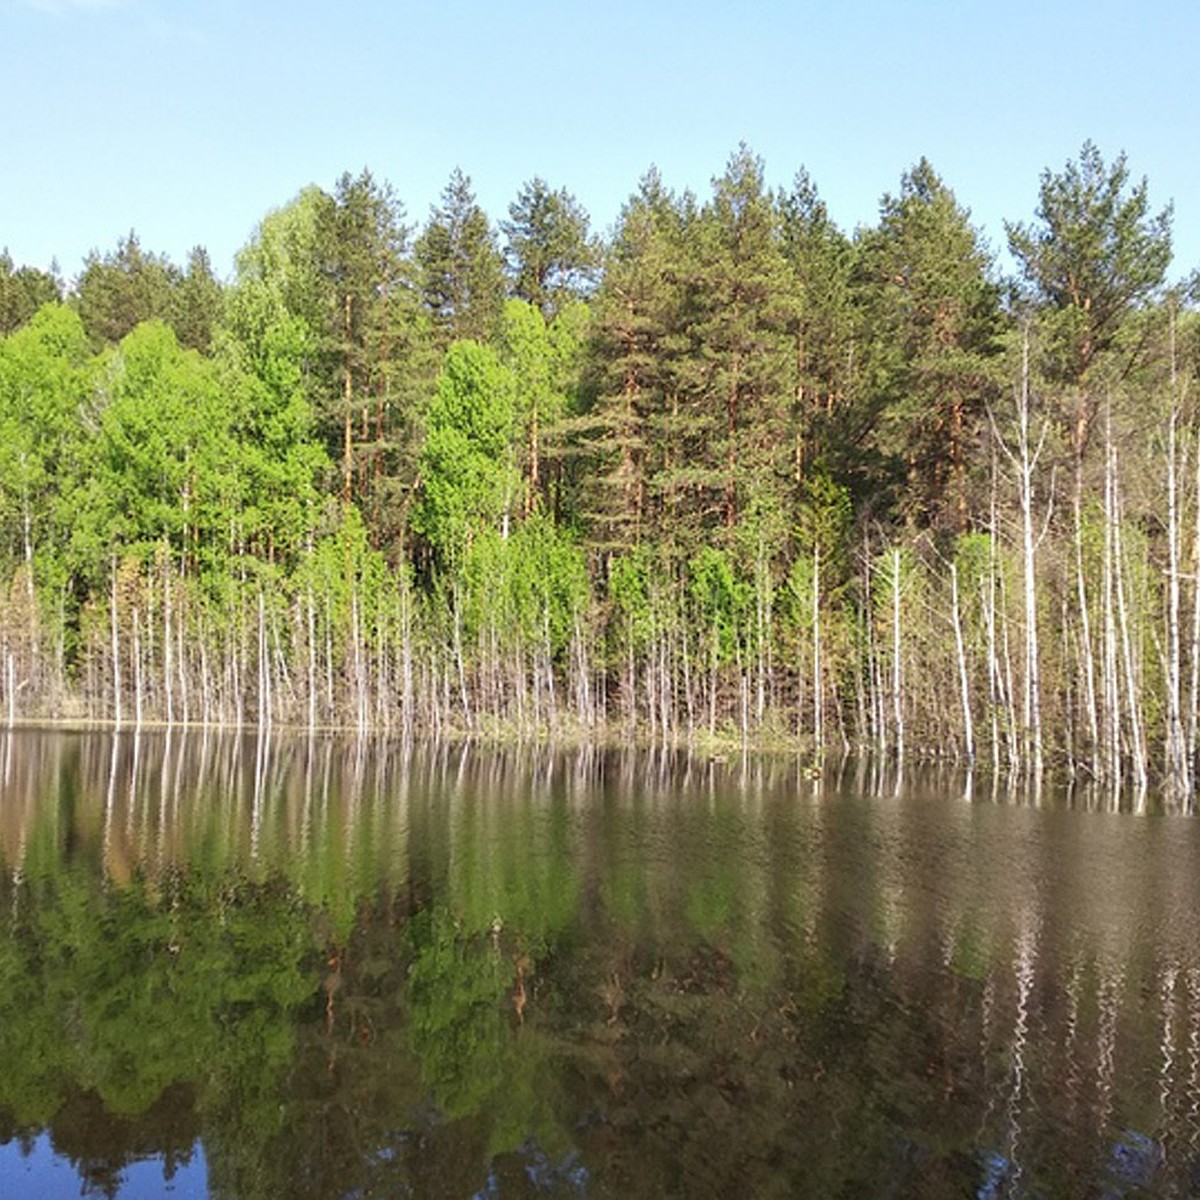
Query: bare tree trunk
x=1137, y=741
x=10, y=667
x=116, y=649
x=960, y=650
x=1194, y=689
x=818, y=670
x=137, y=670
x=1178, y=765
x=312, y=660
x=168, y=648
x=1112, y=695
x=995, y=677
x=458, y=657
x=1032, y=710
x=347, y=401
x=1085, y=625
x=897, y=665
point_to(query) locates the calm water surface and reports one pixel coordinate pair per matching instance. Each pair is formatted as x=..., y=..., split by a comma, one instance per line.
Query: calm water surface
x=311, y=968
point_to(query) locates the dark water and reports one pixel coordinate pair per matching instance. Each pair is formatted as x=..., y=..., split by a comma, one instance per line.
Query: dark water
x=320, y=969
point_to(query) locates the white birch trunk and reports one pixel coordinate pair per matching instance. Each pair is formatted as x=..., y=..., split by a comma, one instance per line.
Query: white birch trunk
x=960, y=650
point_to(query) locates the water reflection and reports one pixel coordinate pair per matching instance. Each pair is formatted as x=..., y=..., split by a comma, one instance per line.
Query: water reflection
x=335, y=968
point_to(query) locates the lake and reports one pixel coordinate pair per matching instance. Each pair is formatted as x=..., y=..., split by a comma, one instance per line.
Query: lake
x=290, y=967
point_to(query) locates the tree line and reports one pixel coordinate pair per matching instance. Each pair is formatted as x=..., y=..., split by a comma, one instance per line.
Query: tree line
x=729, y=470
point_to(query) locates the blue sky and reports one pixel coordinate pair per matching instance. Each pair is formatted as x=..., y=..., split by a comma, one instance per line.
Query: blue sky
x=187, y=120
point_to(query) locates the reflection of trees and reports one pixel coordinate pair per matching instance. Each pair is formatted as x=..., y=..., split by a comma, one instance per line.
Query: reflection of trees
x=356, y=969
x=144, y=1008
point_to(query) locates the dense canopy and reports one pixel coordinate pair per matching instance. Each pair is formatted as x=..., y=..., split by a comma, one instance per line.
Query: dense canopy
x=728, y=471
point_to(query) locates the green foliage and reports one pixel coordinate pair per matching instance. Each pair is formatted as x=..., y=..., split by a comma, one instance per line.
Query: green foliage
x=165, y=460
x=550, y=579
x=468, y=477
x=127, y=991
x=461, y=267
x=1096, y=253
x=545, y=365
x=826, y=515
x=196, y=303
x=24, y=290
x=280, y=460
x=311, y=483
x=528, y=588
x=934, y=319
x=277, y=271
x=119, y=291
x=551, y=256
x=44, y=383
x=632, y=432
x=454, y=988
x=635, y=592
x=720, y=601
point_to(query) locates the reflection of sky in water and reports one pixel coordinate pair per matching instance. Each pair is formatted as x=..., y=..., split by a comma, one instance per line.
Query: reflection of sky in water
x=44, y=1175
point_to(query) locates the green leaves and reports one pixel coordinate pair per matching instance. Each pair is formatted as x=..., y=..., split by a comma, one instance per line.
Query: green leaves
x=44, y=380
x=468, y=478
x=166, y=452
x=461, y=268
x=1096, y=252
x=551, y=256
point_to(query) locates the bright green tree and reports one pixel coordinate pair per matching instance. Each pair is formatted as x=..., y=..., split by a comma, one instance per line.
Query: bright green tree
x=166, y=465
x=469, y=480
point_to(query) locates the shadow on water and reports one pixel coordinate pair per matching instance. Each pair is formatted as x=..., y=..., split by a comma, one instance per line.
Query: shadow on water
x=336, y=967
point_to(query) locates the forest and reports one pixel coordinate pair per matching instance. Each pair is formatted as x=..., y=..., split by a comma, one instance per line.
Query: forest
x=729, y=474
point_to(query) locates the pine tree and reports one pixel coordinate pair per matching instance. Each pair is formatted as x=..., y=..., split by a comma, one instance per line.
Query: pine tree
x=738, y=308
x=23, y=290
x=935, y=321
x=551, y=256
x=822, y=324
x=118, y=291
x=195, y=306
x=461, y=268
x=369, y=308
x=637, y=315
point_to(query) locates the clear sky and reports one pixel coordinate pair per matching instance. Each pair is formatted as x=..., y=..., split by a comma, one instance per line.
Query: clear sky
x=187, y=120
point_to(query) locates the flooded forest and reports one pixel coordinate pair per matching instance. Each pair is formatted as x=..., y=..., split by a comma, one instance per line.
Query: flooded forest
x=728, y=473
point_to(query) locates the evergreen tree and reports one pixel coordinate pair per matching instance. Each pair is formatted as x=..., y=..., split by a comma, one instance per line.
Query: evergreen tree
x=461, y=268
x=823, y=329
x=23, y=290
x=935, y=322
x=196, y=303
x=370, y=339
x=1095, y=253
x=739, y=371
x=120, y=290
x=551, y=257
x=628, y=436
